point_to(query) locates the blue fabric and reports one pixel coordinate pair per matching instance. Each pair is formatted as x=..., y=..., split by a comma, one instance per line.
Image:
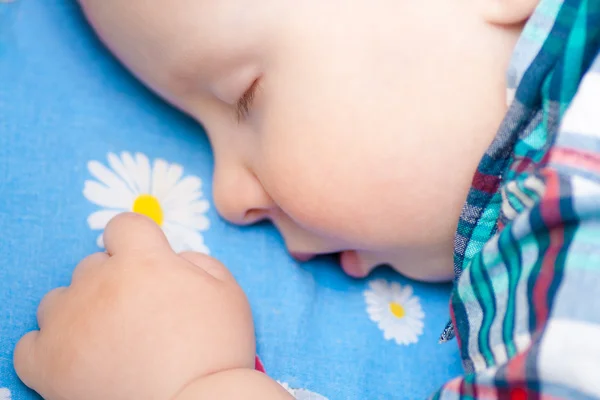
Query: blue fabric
x=65, y=101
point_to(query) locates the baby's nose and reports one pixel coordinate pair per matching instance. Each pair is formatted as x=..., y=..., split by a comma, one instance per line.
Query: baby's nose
x=239, y=196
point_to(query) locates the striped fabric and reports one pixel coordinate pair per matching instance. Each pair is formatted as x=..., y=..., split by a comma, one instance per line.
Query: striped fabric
x=526, y=304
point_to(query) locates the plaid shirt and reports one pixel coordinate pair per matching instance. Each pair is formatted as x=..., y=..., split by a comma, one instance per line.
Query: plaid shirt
x=526, y=303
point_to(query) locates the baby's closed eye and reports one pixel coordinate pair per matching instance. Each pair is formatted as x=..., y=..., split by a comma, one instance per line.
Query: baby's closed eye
x=243, y=107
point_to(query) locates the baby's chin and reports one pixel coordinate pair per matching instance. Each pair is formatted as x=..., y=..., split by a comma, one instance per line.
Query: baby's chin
x=359, y=265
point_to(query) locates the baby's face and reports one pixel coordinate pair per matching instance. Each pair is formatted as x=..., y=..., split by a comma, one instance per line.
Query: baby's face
x=354, y=126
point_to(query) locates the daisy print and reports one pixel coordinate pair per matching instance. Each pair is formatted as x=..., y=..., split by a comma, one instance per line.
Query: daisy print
x=158, y=190
x=302, y=394
x=396, y=311
x=4, y=394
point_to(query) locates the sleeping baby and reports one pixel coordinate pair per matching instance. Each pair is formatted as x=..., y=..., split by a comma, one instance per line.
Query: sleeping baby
x=452, y=140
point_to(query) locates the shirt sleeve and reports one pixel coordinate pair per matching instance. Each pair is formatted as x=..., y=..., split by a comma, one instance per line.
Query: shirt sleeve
x=526, y=310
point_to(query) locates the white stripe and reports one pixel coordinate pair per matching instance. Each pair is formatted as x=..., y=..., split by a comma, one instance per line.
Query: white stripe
x=586, y=195
x=474, y=315
x=570, y=355
x=583, y=115
x=521, y=334
x=499, y=278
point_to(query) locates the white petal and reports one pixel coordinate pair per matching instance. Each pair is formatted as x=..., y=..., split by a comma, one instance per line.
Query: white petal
x=184, y=239
x=143, y=172
x=185, y=192
x=195, y=242
x=177, y=244
x=107, y=177
x=173, y=176
x=184, y=217
x=199, y=206
x=4, y=394
x=140, y=179
x=99, y=219
x=106, y=197
x=375, y=315
x=415, y=325
x=388, y=335
x=404, y=340
x=386, y=323
x=372, y=298
x=377, y=307
x=159, y=178
x=303, y=394
x=126, y=175
x=395, y=287
x=100, y=240
x=175, y=201
x=130, y=167
x=401, y=334
x=412, y=303
x=164, y=178
x=378, y=286
x=386, y=291
x=371, y=302
x=287, y=387
x=414, y=309
x=402, y=295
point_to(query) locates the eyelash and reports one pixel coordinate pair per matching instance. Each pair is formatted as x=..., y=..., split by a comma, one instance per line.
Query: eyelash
x=244, y=104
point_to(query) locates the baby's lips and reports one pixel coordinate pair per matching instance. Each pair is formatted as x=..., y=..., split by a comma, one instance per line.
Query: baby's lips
x=353, y=265
x=302, y=257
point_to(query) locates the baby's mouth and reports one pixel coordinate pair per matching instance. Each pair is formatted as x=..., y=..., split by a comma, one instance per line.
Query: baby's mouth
x=350, y=261
x=302, y=257
x=352, y=264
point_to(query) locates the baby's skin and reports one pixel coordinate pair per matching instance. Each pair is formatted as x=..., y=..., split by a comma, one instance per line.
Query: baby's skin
x=355, y=127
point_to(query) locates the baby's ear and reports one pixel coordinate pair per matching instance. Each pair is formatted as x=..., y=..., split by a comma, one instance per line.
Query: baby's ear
x=507, y=12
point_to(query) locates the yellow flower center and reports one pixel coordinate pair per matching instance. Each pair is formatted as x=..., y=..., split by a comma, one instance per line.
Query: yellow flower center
x=149, y=206
x=397, y=310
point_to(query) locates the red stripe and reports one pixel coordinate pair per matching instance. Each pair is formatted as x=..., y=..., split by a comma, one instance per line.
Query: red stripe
x=550, y=210
x=486, y=183
x=258, y=365
x=522, y=164
x=576, y=158
x=453, y=319
x=515, y=369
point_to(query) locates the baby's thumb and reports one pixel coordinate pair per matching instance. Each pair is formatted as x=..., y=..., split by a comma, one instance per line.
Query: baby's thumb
x=208, y=264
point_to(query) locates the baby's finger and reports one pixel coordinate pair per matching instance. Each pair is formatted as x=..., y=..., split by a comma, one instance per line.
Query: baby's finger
x=24, y=359
x=87, y=264
x=49, y=305
x=208, y=264
x=130, y=232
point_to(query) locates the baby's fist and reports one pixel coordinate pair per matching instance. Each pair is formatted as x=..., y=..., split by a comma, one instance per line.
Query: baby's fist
x=137, y=322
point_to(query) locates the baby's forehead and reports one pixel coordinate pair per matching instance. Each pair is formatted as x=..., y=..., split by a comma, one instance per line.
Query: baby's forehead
x=181, y=40
x=180, y=25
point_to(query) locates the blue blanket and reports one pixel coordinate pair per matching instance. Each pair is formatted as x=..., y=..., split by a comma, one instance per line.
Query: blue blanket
x=80, y=139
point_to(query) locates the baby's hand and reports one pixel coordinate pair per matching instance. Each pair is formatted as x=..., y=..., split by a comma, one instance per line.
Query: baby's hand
x=140, y=322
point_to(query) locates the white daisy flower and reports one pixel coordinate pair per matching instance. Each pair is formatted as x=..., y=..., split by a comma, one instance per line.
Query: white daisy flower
x=395, y=310
x=302, y=394
x=158, y=191
x=4, y=394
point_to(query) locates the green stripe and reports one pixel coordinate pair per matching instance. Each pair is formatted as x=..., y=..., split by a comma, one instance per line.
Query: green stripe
x=482, y=287
x=513, y=260
x=572, y=65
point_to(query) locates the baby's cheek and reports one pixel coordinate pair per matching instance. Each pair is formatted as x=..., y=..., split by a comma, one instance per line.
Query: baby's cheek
x=318, y=202
x=333, y=179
